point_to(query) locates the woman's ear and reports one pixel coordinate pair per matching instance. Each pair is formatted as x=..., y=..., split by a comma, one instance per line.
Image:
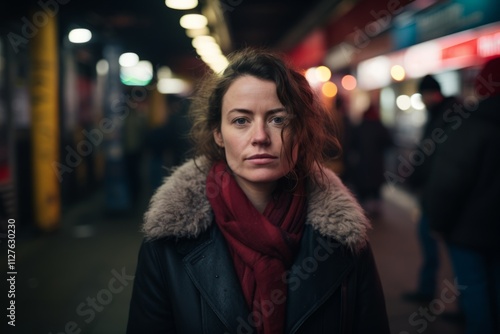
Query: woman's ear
x=218, y=138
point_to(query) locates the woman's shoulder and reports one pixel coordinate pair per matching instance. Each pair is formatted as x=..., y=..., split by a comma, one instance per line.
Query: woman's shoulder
x=334, y=212
x=179, y=208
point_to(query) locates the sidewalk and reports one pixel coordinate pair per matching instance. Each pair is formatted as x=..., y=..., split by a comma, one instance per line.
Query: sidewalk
x=79, y=278
x=397, y=253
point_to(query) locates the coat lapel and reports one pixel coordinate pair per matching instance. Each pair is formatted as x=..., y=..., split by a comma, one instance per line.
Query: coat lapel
x=316, y=274
x=211, y=270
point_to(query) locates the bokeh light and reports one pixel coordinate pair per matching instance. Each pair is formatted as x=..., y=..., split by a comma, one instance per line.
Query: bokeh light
x=128, y=59
x=416, y=102
x=398, y=72
x=329, y=89
x=193, y=21
x=403, y=102
x=323, y=73
x=79, y=35
x=349, y=82
x=181, y=4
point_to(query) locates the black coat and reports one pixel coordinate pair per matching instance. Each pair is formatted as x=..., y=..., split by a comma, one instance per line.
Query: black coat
x=369, y=141
x=186, y=283
x=463, y=192
x=440, y=118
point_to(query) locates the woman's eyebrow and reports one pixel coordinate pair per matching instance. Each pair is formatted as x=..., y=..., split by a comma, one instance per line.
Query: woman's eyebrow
x=276, y=110
x=240, y=110
x=247, y=111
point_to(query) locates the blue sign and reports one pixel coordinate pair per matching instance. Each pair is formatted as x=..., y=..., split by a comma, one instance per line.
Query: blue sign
x=442, y=20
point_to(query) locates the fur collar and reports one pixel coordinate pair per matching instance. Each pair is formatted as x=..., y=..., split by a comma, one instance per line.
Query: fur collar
x=179, y=208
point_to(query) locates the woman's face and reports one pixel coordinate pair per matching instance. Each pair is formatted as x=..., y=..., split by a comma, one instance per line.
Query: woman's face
x=250, y=132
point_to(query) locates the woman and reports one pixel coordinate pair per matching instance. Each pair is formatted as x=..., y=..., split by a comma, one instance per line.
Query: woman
x=255, y=236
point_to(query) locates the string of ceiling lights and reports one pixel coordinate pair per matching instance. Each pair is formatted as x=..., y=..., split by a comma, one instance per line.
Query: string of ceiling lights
x=196, y=26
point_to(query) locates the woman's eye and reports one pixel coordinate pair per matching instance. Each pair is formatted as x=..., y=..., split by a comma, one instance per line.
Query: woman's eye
x=240, y=121
x=278, y=120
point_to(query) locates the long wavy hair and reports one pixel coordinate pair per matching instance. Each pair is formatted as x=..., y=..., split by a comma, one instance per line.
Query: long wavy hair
x=312, y=127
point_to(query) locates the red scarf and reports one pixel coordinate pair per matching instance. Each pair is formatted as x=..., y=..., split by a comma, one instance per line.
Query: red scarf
x=262, y=245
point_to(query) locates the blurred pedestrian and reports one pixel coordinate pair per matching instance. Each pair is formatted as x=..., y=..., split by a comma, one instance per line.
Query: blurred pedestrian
x=255, y=236
x=344, y=133
x=157, y=146
x=178, y=127
x=369, y=141
x=463, y=198
x=168, y=143
x=134, y=134
x=437, y=105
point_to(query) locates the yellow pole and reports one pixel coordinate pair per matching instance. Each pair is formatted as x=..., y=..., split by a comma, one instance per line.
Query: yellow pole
x=45, y=124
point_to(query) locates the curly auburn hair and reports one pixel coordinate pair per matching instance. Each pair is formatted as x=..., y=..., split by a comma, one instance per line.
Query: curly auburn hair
x=313, y=128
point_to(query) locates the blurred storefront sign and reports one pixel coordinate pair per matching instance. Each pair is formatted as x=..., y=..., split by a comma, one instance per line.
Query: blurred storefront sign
x=465, y=49
x=369, y=29
x=443, y=19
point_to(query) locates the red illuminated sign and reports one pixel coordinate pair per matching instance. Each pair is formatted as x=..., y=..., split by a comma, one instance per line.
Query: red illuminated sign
x=471, y=49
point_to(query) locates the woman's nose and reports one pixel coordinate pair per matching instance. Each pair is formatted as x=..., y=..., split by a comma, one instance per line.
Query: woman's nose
x=260, y=134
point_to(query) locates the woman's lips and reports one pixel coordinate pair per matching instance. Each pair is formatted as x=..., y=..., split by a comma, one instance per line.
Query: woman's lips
x=261, y=156
x=261, y=159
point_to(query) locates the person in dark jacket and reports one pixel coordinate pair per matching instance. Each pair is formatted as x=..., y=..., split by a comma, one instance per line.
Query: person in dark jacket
x=254, y=235
x=438, y=106
x=369, y=141
x=463, y=195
